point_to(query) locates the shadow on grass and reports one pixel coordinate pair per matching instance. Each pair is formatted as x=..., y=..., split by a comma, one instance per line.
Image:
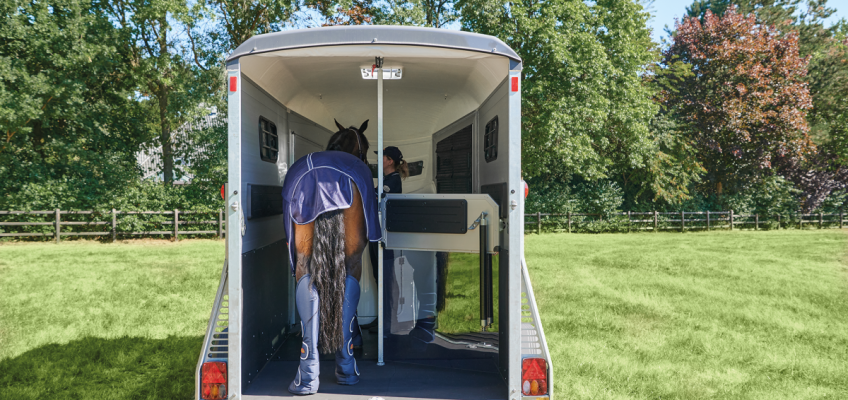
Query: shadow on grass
x=95, y=368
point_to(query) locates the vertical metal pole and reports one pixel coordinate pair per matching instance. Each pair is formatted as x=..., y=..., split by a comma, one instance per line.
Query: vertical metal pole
x=114, y=225
x=220, y=223
x=569, y=222
x=483, y=296
x=176, y=225
x=820, y=220
x=628, y=221
x=682, y=222
x=756, y=222
x=708, y=220
x=380, y=198
x=58, y=230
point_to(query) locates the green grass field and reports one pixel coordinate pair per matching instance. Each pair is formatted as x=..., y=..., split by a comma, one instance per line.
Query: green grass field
x=721, y=315
x=86, y=320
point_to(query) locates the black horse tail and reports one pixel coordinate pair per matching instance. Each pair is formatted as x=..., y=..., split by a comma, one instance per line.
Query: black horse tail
x=328, y=271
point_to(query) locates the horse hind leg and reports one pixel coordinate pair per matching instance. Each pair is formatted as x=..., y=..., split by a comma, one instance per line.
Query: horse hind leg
x=306, y=381
x=347, y=372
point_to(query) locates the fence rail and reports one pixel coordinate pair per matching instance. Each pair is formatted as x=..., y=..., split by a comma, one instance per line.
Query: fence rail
x=133, y=220
x=681, y=220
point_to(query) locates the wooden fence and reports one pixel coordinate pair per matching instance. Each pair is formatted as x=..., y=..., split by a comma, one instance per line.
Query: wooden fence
x=59, y=223
x=682, y=220
x=149, y=223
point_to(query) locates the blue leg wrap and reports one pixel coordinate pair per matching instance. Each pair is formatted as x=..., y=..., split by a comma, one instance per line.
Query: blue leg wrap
x=346, y=371
x=306, y=298
x=357, y=332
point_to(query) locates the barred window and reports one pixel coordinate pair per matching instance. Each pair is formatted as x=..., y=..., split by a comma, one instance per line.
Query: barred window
x=490, y=140
x=269, y=145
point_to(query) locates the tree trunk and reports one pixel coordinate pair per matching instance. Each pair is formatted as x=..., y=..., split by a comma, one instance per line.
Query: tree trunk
x=165, y=137
x=165, y=124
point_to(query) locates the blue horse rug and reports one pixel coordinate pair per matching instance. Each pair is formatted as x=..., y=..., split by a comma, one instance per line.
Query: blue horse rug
x=321, y=182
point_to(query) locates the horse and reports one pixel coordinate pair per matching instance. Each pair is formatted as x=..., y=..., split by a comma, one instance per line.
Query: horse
x=326, y=250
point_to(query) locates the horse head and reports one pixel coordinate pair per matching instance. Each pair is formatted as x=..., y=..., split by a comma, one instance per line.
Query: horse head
x=350, y=140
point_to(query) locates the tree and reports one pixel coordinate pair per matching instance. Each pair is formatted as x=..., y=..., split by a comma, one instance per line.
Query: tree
x=431, y=13
x=239, y=20
x=747, y=100
x=585, y=109
x=172, y=80
x=70, y=125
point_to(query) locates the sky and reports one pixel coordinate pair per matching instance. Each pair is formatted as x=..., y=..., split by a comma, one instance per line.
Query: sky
x=665, y=11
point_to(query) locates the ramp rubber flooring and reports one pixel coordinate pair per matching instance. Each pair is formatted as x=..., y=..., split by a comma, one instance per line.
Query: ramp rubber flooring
x=393, y=381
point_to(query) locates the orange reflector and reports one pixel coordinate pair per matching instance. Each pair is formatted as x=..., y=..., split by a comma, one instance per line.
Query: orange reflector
x=233, y=83
x=526, y=189
x=514, y=83
x=534, y=376
x=213, y=378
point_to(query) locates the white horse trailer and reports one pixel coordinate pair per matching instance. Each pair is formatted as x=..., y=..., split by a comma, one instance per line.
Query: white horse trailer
x=451, y=101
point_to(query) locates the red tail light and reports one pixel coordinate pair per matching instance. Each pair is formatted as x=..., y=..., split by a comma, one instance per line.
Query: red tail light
x=213, y=380
x=223, y=197
x=526, y=189
x=534, y=376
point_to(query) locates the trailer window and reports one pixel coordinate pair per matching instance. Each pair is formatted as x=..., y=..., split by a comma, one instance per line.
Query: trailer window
x=490, y=140
x=269, y=147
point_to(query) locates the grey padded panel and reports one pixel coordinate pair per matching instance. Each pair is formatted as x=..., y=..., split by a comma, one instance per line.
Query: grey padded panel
x=396, y=35
x=265, y=282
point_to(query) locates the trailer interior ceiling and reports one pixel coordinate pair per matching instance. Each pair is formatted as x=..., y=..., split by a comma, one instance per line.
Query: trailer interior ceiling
x=438, y=85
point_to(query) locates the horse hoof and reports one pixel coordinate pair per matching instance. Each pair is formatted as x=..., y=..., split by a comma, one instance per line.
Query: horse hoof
x=301, y=391
x=348, y=380
x=298, y=387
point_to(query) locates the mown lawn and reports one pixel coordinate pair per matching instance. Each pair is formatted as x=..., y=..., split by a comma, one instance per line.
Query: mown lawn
x=722, y=315
x=86, y=320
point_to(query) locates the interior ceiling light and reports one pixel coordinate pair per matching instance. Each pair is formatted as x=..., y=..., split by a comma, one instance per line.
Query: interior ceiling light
x=388, y=73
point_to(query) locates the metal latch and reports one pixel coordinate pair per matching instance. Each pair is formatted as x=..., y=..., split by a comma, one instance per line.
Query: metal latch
x=478, y=221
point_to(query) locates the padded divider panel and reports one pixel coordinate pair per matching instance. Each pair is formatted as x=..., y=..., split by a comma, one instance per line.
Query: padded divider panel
x=427, y=216
x=265, y=284
x=503, y=311
x=453, y=163
x=264, y=200
x=498, y=192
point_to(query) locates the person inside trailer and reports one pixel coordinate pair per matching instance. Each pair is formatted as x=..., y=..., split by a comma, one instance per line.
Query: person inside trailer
x=395, y=171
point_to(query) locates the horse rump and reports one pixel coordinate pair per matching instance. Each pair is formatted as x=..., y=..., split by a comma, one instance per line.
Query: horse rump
x=327, y=268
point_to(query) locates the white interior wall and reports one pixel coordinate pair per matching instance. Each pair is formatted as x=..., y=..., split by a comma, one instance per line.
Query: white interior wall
x=255, y=103
x=495, y=171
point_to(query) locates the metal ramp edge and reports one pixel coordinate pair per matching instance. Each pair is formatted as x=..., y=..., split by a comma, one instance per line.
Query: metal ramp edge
x=216, y=341
x=533, y=343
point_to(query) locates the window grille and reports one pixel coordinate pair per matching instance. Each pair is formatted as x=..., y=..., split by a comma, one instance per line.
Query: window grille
x=490, y=140
x=269, y=144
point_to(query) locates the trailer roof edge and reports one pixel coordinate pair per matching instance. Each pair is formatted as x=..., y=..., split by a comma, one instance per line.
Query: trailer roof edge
x=372, y=35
